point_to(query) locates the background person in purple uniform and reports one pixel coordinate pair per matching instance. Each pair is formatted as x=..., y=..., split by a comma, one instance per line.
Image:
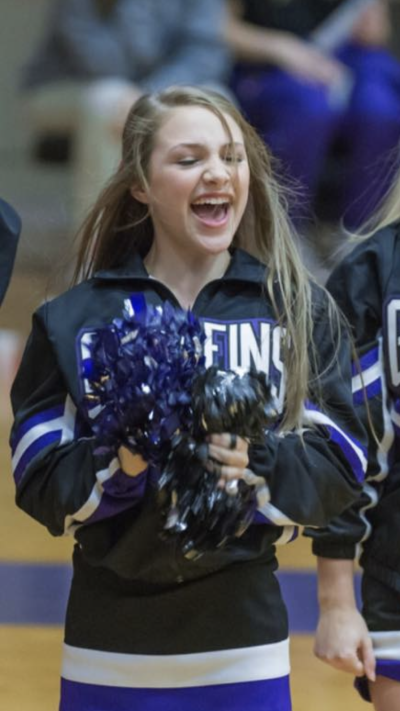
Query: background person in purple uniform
x=309, y=93
x=148, y=627
x=367, y=287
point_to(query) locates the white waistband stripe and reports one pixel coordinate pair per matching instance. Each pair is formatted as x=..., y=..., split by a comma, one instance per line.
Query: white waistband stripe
x=175, y=671
x=386, y=644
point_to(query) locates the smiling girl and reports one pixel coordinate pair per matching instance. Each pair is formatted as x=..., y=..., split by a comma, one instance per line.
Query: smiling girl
x=146, y=627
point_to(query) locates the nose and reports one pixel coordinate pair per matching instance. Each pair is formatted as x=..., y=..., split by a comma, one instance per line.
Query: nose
x=216, y=172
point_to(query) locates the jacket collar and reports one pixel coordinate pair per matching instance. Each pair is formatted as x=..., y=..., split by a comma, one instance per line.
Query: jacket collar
x=242, y=267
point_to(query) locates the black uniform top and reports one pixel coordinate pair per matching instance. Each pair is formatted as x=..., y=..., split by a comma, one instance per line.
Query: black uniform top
x=122, y=570
x=367, y=287
x=60, y=482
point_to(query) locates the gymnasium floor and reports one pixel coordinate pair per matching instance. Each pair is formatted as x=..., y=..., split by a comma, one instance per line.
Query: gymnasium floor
x=35, y=570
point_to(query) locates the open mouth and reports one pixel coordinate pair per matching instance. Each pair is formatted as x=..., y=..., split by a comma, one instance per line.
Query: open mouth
x=212, y=211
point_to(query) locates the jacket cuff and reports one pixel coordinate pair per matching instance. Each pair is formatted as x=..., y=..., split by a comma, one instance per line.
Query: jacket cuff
x=262, y=459
x=122, y=485
x=339, y=550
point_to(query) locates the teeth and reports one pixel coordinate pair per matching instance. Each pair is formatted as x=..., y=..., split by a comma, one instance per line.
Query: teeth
x=211, y=201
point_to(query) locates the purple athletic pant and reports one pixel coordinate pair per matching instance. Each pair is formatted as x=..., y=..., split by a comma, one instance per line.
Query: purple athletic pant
x=301, y=122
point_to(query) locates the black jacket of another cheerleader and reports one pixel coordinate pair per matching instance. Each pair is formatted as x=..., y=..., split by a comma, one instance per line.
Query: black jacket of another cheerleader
x=367, y=287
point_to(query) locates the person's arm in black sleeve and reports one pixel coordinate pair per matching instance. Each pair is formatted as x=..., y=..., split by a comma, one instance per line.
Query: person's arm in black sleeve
x=357, y=287
x=340, y=539
x=59, y=479
x=315, y=474
x=342, y=638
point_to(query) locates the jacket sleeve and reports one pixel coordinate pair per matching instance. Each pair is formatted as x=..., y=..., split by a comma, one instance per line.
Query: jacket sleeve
x=341, y=538
x=357, y=286
x=314, y=474
x=59, y=479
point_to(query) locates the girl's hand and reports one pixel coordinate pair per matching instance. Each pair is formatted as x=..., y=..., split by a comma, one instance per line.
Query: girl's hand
x=131, y=464
x=343, y=642
x=228, y=458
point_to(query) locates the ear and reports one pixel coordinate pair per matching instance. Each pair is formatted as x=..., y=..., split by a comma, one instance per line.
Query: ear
x=139, y=194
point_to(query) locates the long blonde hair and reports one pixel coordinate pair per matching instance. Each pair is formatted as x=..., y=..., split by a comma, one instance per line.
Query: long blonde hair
x=119, y=225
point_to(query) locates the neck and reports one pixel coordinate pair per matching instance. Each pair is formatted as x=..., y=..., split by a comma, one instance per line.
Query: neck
x=185, y=275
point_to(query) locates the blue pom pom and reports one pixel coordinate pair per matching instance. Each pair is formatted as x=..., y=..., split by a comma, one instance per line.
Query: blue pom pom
x=138, y=374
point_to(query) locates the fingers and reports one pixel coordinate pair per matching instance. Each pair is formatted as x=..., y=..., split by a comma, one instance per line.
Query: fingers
x=226, y=440
x=342, y=641
x=230, y=458
x=359, y=664
x=232, y=461
x=228, y=462
x=368, y=659
x=347, y=662
x=225, y=474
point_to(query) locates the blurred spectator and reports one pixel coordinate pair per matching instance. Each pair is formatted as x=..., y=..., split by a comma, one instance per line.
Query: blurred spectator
x=312, y=85
x=98, y=56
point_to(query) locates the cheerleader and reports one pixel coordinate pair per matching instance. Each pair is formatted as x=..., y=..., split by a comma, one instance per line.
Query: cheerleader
x=192, y=218
x=367, y=287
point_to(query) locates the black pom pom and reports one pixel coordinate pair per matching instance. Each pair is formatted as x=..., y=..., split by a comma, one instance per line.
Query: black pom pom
x=199, y=512
x=225, y=401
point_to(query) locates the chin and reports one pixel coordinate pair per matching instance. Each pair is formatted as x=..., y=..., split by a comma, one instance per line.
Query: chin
x=216, y=244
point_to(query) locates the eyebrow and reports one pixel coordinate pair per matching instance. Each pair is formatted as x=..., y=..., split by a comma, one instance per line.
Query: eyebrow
x=201, y=145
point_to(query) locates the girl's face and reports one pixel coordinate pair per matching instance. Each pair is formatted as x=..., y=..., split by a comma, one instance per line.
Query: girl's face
x=198, y=187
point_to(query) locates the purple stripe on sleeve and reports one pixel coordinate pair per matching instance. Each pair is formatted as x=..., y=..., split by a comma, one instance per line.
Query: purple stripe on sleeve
x=121, y=484
x=345, y=445
x=294, y=535
x=120, y=492
x=268, y=695
x=372, y=390
x=367, y=360
x=396, y=405
x=41, y=443
x=259, y=518
x=348, y=451
x=45, y=416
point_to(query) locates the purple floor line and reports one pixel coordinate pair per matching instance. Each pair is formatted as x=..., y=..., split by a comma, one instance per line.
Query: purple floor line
x=36, y=594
